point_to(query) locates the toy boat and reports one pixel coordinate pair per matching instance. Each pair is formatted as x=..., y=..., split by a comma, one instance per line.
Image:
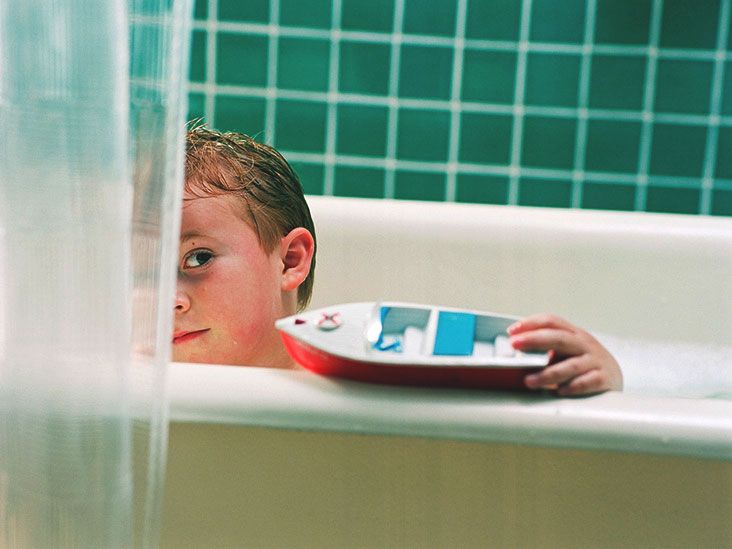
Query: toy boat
x=409, y=344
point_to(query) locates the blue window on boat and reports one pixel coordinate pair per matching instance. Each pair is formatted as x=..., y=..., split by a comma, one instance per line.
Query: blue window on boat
x=401, y=329
x=386, y=343
x=455, y=334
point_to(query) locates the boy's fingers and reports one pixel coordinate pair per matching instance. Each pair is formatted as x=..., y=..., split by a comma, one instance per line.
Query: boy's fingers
x=593, y=381
x=559, y=373
x=543, y=320
x=560, y=341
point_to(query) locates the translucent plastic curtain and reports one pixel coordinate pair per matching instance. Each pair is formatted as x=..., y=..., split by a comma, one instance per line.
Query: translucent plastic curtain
x=159, y=54
x=91, y=122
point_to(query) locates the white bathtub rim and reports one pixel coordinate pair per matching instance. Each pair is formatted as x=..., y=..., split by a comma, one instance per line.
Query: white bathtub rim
x=557, y=220
x=299, y=400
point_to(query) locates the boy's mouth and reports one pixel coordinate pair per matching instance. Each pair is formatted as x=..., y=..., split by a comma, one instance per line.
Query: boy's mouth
x=183, y=336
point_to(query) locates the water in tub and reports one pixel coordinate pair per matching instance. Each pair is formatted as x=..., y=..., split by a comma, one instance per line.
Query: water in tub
x=672, y=369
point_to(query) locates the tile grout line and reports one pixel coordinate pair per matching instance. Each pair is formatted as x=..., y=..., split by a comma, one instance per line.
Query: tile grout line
x=395, y=55
x=580, y=144
x=518, y=105
x=715, y=107
x=476, y=44
x=469, y=107
x=273, y=46
x=209, y=109
x=455, y=105
x=332, y=113
x=499, y=169
x=644, y=154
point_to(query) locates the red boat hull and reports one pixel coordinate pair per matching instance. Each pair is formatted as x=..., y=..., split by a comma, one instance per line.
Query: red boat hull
x=326, y=364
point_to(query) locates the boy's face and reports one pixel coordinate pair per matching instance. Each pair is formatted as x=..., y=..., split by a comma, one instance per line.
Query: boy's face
x=229, y=290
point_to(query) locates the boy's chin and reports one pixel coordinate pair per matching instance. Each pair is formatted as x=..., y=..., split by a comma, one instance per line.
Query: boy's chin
x=188, y=356
x=275, y=357
x=206, y=358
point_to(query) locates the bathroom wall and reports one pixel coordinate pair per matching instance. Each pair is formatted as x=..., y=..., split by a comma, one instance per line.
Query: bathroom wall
x=605, y=104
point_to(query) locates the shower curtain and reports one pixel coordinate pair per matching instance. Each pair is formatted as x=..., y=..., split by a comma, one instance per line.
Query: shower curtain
x=92, y=108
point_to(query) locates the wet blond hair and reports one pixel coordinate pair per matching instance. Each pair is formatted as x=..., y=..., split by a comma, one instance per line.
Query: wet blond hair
x=262, y=181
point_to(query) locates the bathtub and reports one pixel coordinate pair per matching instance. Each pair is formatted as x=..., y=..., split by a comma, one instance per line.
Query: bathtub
x=267, y=458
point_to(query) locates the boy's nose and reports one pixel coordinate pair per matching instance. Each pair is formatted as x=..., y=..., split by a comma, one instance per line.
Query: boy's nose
x=182, y=303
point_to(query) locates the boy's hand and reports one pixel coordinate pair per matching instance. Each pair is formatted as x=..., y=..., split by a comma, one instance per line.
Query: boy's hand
x=578, y=363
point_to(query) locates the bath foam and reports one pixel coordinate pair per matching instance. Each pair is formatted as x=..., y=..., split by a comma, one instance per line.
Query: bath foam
x=673, y=369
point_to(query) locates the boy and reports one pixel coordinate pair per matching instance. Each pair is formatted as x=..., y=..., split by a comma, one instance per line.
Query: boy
x=247, y=252
x=247, y=258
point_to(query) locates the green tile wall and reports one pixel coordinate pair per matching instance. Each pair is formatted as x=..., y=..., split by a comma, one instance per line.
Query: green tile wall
x=601, y=104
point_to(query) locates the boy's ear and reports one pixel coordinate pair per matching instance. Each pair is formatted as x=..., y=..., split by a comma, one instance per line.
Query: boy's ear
x=296, y=252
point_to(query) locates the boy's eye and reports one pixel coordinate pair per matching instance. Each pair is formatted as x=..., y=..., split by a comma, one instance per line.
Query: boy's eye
x=197, y=258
